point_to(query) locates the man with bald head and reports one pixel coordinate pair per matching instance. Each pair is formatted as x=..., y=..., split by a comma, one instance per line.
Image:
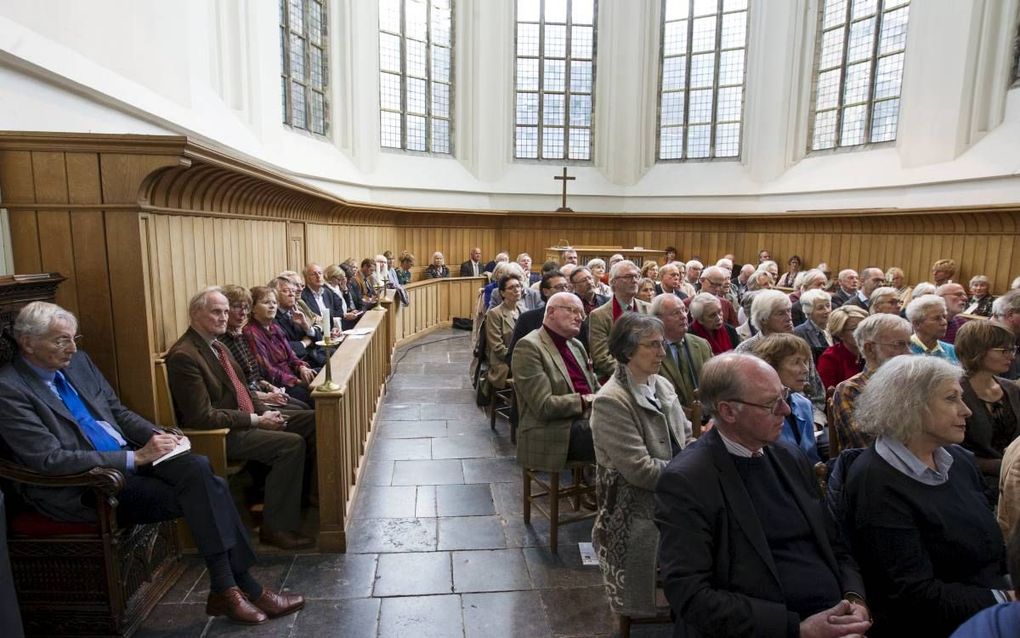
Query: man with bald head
x=623, y=280
x=555, y=386
x=956, y=300
x=745, y=547
x=473, y=267
x=686, y=353
x=320, y=299
x=871, y=279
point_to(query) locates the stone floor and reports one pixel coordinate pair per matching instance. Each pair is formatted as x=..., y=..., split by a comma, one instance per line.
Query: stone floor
x=436, y=545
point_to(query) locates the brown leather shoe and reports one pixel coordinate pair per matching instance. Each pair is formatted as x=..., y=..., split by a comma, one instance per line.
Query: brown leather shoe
x=276, y=605
x=285, y=540
x=233, y=604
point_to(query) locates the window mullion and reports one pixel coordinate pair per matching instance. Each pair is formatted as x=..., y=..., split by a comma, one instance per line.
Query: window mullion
x=688, y=62
x=870, y=97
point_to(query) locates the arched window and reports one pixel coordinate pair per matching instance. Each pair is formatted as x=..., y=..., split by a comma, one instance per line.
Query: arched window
x=555, y=79
x=415, y=74
x=858, y=72
x=701, y=78
x=304, y=67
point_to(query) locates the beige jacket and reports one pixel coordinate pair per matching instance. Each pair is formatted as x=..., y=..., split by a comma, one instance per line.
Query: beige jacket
x=600, y=322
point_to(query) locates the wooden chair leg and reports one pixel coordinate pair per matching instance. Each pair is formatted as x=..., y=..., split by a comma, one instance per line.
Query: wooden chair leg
x=624, y=626
x=527, y=495
x=576, y=475
x=554, y=511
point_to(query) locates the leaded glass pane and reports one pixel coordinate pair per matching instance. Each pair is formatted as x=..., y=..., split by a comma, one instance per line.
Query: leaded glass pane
x=555, y=41
x=303, y=64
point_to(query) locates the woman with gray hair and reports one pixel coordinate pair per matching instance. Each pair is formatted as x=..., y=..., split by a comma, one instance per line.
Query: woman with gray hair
x=706, y=310
x=813, y=279
x=927, y=316
x=598, y=272
x=884, y=300
x=637, y=425
x=928, y=546
x=980, y=301
x=815, y=305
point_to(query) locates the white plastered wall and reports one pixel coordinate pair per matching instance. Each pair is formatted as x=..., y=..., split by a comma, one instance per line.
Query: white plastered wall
x=210, y=70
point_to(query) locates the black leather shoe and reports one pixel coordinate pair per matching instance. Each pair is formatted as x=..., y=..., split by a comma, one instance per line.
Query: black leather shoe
x=285, y=540
x=233, y=604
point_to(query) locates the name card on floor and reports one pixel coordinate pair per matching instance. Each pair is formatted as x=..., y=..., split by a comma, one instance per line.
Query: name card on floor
x=588, y=556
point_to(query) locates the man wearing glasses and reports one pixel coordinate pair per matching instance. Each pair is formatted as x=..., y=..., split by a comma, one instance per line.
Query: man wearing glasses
x=623, y=279
x=745, y=548
x=555, y=387
x=713, y=280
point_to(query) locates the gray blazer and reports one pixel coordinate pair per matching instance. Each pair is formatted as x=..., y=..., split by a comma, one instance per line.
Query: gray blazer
x=546, y=399
x=39, y=432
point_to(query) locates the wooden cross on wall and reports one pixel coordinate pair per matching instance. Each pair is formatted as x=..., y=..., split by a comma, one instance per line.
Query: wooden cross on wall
x=564, y=178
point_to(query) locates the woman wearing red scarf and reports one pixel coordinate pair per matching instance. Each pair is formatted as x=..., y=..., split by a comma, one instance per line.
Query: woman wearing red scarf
x=708, y=323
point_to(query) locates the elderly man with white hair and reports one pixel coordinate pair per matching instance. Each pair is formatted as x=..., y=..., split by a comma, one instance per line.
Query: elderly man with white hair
x=524, y=259
x=927, y=315
x=879, y=338
x=740, y=279
x=956, y=301
x=623, y=279
x=848, y=283
x=670, y=280
x=693, y=270
x=815, y=305
x=713, y=281
x=1006, y=312
x=685, y=353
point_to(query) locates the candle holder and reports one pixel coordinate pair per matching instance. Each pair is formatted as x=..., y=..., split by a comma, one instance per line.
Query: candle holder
x=328, y=342
x=380, y=290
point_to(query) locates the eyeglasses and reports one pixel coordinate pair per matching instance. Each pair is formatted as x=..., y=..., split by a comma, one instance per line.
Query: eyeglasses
x=654, y=345
x=899, y=345
x=775, y=408
x=63, y=343
x=577, y=312
x=561, y=287
x=1007, y=351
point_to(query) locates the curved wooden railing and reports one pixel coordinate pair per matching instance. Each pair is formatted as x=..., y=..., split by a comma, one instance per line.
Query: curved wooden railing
x=360, y=366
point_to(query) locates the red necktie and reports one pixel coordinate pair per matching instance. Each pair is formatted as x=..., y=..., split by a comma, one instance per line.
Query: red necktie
x=244, y=403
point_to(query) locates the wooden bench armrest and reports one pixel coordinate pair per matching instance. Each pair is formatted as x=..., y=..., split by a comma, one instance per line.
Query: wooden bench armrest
x=106, y=480
x=211, y=444
x=194, y=434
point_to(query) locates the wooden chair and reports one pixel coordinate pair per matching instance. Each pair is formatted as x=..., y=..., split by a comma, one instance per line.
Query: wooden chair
x=835, y=445
x=86, y=579
x=551, y=489
x=502, y=404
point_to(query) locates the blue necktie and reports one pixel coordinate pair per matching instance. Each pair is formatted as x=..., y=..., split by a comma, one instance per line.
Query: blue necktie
x=100, y=438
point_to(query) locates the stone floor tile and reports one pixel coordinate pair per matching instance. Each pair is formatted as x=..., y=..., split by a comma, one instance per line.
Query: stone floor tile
x=464, y=500
x=562, y=569
x=376, y=473
x=490, y=570
x=508, y=614
x=508, y=498
x=476, y=425
x=425, y=382
x=270, y=570
x=463, y=446
x=537, y=533
x=421, y=617
x=175, y=621
x=410, y=429
x=357, y=618
x=385, y=535
x=471, y=532
x=332, y=576
x=578, y=612
x=492, y=471
x=502, y=445
x=425, y=505
x=443, y=472
x=194, y=576
x=401, y=449
x=399, y=412
x=428, y=396
x=452, y=412
x=458, y=367
x=378, y=501
x=413, y=574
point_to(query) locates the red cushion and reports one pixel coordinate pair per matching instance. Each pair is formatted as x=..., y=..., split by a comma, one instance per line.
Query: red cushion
x=36, y=525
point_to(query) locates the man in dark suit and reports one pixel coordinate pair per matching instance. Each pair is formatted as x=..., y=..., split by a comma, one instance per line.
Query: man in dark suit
x=846, y=290
x=62, y=417
x=669, y=281
x=208, y=393
x=473, y=267
x=745, y=547
x=301, y=328
x=319, y=297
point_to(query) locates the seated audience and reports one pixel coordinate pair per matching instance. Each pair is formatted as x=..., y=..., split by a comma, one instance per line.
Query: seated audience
x=524, y=260
x=923, y=288
x=336, y=280
x=745, y=548
x=789, y=356
x=956, y=301
x=623, y=279
x=884, y=299
x=646, y=290
x=786, y=281
x=879, y=338
x=473, y=267
x=501, y=270
x=943, y=271
x=62, y=417
x=437, y=269
x=815, y=305
x=842, y=360
x=276, y=360
x=364, y=282
x=568, y=256
x=764, y=255
x=742, y=278
x=298, y=326
x=650, y=270
x=530, y=298
x=706, y=311
x=986, y=350
x=555, y=387
x=927, y=315
x=240, y=307
x=583, y=282
x=772, y=268
x=404, y=272
x=692, y=274
x=1006, y=312
x=980, y=302
x=669, y=281
x=499, y=329
x=320, y=298
x=871, y=279
x=501, y=257
x=208, y=393
x=929, y=549
x=813, y=279
x=531, y=320
x=598, y=271
x=713, y=280
x=896, y=278
x=685, y=353
x=846, y=290
x=637, y=425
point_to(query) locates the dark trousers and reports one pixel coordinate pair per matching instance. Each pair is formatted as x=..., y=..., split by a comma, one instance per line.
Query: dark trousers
x=10, y=615
x=186, y=486
x=581, y=446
